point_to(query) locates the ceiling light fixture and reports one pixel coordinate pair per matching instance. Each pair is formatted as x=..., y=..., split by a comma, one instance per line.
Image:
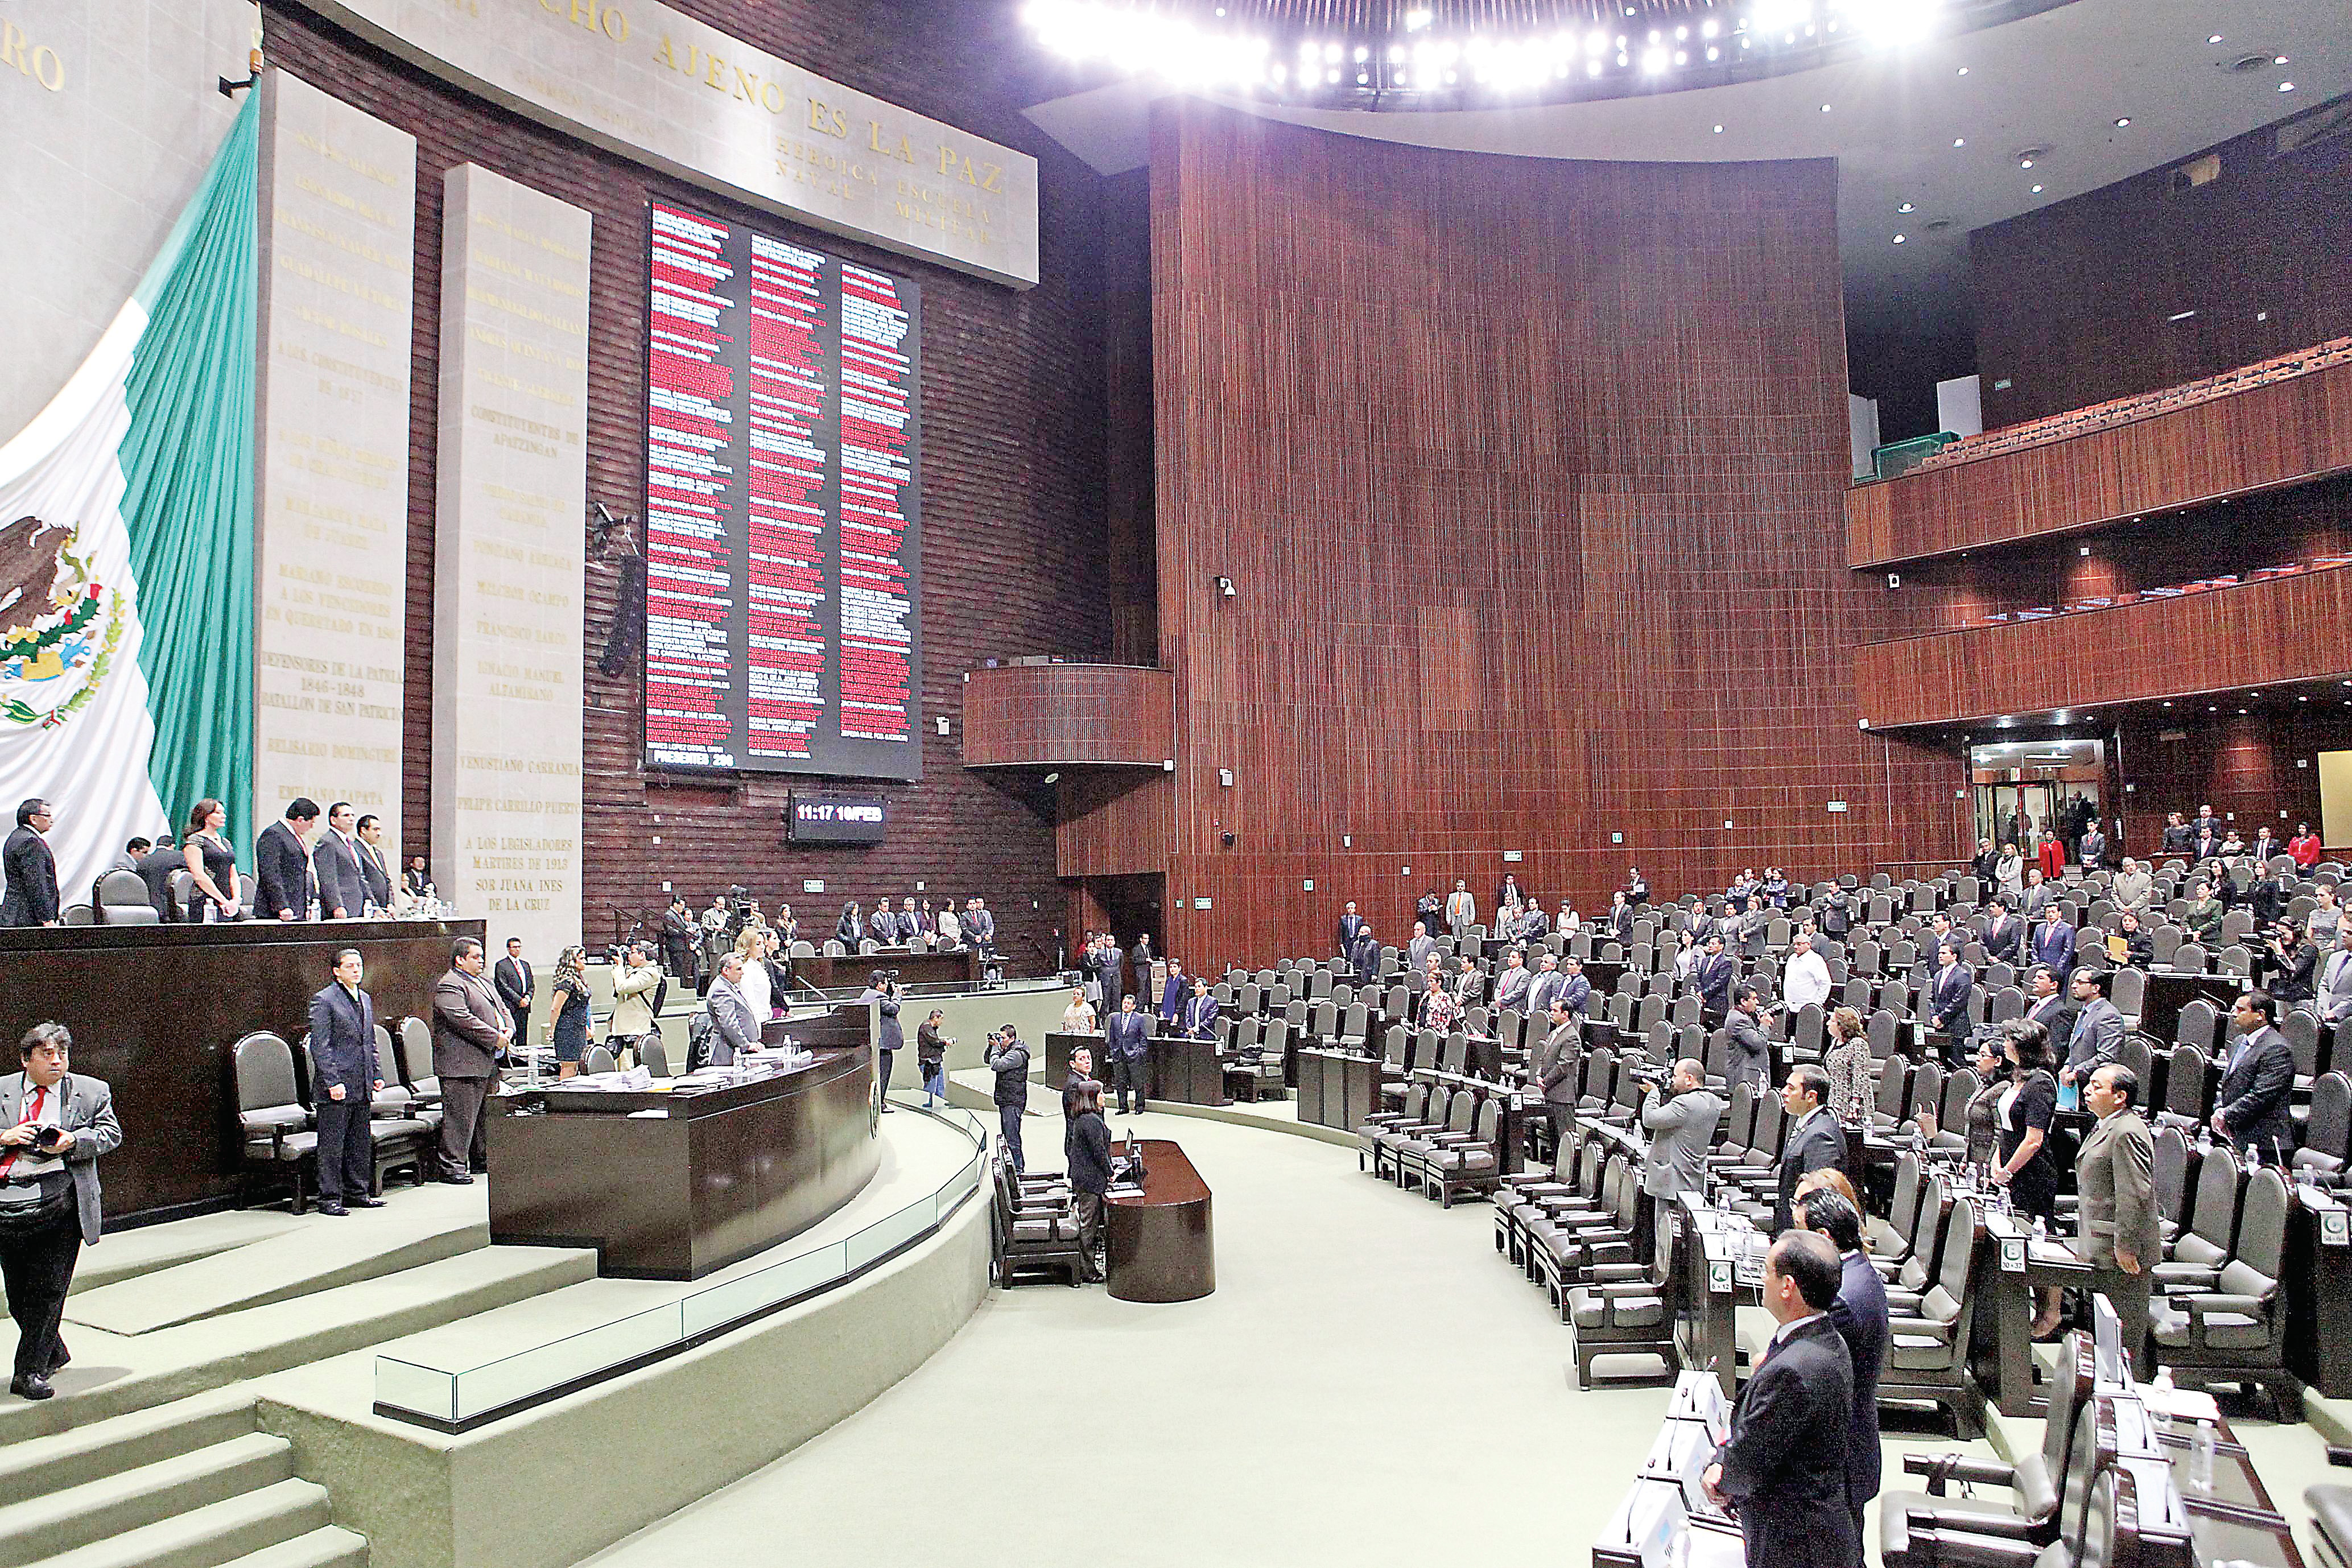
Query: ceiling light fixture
x=2286, y=86
x=2037, y=190
x=1898, y=240
x=2122, y=120
x=2214, y=39
x=1959, y=140
x=1908, y=206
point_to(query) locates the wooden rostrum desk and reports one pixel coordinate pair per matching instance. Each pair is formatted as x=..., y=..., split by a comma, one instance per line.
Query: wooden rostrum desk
x=1161, y=1244
x=719, y=1175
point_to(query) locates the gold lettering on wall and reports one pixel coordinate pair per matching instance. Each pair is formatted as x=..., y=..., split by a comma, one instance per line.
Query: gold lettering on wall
x=37, y=60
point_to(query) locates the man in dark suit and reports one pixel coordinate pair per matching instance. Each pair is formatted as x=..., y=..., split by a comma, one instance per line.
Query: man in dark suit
x=375, y=874
x=1814, y=1141
x=281, y=863
x=1127, y=1043
x=1200, y=1014
x=1712, y=977
x=1110, y=964
x=342, y=891
x=1947, y=1001
x=471, y=1029
x=54, y=1125
x=1555, y=1064
x=1859, y=1315
x=882, y=925
x=2046, y=1003
x=1172, y=994
x=1139, y=964
x=1751, y=1053
x=2205, y=834
x=344, y=1077
x=1784, y=1465
x=513, y=980
x=1350, y=923
x=2252, y=1106
x=2053, y=942
x=1511, y=988
x=1575, y=989
x=2004, y=934
x=1365, y=956
x=30, y=869
x=155, y=869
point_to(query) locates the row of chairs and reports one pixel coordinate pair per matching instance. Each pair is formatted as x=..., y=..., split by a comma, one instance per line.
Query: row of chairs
x=278, y=1118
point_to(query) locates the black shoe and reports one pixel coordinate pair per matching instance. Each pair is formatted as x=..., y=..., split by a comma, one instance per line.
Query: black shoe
x=333, y=1206
x=367, y=1203
x=30, y=1387
x=460, y=1180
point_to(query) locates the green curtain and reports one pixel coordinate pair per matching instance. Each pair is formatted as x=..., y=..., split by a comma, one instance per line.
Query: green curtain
x=187, y=464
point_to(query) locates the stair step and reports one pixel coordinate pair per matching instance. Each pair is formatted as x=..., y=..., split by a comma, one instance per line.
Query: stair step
x=329, y=1546
x=35, y=1467
x=210, y=1536
x=142, y=1495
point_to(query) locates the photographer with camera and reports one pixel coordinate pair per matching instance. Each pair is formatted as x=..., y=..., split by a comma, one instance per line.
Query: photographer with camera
x=53, y=1127
x=1009, y=1059
x=932, y=1058
x=882, y=987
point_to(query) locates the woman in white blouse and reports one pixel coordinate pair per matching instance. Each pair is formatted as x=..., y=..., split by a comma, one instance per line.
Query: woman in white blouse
x=754, y=982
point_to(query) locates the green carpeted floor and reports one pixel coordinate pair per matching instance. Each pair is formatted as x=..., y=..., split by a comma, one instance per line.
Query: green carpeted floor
x=1368, y=1383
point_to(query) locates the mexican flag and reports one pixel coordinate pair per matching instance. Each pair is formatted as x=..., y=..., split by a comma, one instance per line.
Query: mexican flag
x=126, y=554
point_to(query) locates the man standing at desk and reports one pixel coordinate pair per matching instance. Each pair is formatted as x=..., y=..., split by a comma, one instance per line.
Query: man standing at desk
x=1128, y=1046
x=1784, y=1465
x=471, y=1029
x=1815, y=1141
x=2252, y=1106
x=344, y=1077
x=30, y=869
x=1350, y=923
x=1751, y=1053
x=281, y=864
x=513, y=980
x=1200, y=1014
x=2122, y=1233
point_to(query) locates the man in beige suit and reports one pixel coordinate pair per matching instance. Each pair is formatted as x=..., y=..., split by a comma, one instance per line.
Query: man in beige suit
x=2115, y=1174
x=471, y=1029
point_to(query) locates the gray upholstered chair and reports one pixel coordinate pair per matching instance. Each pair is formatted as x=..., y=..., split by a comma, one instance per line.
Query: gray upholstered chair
x=124, y=900
x=275, y=1122
x=1927, y=1348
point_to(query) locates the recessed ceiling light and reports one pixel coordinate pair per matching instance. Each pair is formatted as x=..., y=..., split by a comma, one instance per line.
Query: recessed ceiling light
x=2037, y=190
x=1718, y=130
x=2214, y=39
x=1825, y=108
x=1964, y=71
x=2122, y=120
x=1959, y=140
x=2286, y=86
x=1908, y=206
x=2278, y=59
x=1898, y=240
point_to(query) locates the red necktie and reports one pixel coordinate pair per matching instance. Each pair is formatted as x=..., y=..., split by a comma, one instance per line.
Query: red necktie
x=32, y=1113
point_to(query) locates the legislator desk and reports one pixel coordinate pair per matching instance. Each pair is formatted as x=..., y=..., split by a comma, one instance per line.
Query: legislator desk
x=1188, y=1071
x=718, y=1174
x=1337, y=1088
x=2170, y=990
x=155, y=1010
x=1159, y=1242
x=855, y=971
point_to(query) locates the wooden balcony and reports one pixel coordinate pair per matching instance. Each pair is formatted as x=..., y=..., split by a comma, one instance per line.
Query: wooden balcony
x=1057, y=715
x=2274, y=432
x=2261, y=633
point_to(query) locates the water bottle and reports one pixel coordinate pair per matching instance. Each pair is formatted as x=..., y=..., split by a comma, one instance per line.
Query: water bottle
x=2205, y=1140
x=2160, y=1409
x=2200, y=1458
x=314, y=909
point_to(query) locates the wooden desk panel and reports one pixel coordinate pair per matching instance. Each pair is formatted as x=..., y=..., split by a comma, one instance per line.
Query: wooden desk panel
x=726, y=1173
x=1161, y=1244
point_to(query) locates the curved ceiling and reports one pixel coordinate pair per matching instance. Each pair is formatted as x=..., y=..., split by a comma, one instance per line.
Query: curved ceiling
x=1938, y=125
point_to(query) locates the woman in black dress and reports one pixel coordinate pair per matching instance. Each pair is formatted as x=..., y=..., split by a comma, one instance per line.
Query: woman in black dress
x=2023, y=1112
x=212, y=863
x=570, y=994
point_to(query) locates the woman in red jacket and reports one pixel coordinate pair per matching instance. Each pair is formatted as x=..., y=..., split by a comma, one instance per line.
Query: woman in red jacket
x=2303, y=847
x=2051, y=855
